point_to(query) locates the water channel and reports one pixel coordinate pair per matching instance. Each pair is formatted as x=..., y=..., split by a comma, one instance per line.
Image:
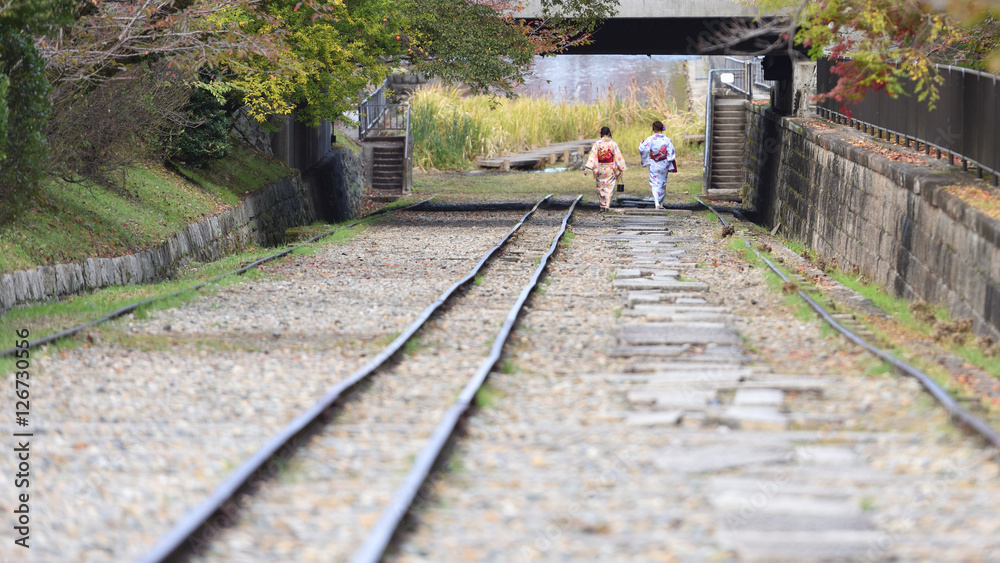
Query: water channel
x=585, y=78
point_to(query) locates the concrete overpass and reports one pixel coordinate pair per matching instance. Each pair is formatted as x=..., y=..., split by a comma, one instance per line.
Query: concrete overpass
x=668, y=27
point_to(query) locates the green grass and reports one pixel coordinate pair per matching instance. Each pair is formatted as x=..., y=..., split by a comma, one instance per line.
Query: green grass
x=771, y=279
x=796, y=246
x=72, y=222
x=413, y=346
x=898, y=308
x=879, y=367
x=47, y=317
x=803, y=311
x=459, y=187
x=976, y=356
x=243, y=172
x=487, y=396
x=901, y=313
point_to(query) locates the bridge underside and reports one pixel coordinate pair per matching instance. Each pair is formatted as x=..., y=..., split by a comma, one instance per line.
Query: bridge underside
x=676, y=36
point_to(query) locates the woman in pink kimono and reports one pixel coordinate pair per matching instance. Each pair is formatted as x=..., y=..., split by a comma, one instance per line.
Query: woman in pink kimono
x=607, y=164
x=657, y=152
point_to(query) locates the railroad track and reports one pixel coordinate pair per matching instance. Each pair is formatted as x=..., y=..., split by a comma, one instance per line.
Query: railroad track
x=618, y=438
x=955, y=410
x=132, y=307
x=345, y=455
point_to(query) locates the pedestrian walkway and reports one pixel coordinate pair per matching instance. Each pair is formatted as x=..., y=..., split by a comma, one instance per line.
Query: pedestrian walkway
x=538, y=158
x=707, y=423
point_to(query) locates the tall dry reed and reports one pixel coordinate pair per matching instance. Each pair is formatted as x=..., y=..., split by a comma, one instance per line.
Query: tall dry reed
x=451, y=130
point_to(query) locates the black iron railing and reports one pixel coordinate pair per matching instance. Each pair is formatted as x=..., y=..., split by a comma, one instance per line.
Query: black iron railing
x=753, y=73
x=370, y=111
x=722, y=82
x=964, y=126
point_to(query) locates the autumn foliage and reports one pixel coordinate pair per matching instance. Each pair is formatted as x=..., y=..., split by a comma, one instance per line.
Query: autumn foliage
x=883, y=44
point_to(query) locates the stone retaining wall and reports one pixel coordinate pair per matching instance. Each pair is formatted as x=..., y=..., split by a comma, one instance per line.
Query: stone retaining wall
x=338, y=186
x=892, y=221
x=260, y=220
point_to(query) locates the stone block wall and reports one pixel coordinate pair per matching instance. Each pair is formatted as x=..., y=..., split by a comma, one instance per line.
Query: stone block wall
x=261, y=219
x=338, y=186
x=895, y=222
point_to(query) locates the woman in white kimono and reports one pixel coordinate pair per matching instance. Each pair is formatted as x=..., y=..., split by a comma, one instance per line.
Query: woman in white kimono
x=657, y=152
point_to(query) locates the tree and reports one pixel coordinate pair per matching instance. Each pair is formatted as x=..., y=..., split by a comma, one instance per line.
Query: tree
x=24, y=106
x=334, y=49
x=274, y=56
x=34, y=16
x=25, y=110
x=486, y=47
x=883, y=43
x=123, y=69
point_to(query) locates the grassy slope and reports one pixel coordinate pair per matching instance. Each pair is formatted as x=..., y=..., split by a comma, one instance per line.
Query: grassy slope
x=72, y=222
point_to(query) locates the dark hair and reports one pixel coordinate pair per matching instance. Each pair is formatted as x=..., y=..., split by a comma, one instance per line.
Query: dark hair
x=657, y=126
x=605, y=131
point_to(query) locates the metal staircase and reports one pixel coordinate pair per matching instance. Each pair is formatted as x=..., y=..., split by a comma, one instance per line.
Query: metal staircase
x=389, y=161
x=725, y=124
x=384, y=133
x=725, y=159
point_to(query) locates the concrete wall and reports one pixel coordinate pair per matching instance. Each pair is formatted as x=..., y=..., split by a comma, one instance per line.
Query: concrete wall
x=892, y=221
x=261, y=219
x=337, y=184
x=300, y=146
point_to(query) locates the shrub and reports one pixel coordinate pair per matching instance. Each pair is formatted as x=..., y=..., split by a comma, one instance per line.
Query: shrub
x=207, y=138
x=100, y=130
x=24, y=98
x=4, y=114
x=450, y=129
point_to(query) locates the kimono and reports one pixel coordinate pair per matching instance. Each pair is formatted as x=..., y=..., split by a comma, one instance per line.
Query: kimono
x=607, y=163
x=657, y=152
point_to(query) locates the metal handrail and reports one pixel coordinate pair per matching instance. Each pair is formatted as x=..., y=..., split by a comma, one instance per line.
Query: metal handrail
x=757, y=68
x=365, y=117
x=754, y=69
x=707, y=173
x=922, y=120
x=406, y=138
x=841, y=118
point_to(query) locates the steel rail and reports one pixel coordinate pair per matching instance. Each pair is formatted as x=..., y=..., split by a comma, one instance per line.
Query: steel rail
x=173, y=544
x=382, y=534
x=129, y=308
x=956, y=411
